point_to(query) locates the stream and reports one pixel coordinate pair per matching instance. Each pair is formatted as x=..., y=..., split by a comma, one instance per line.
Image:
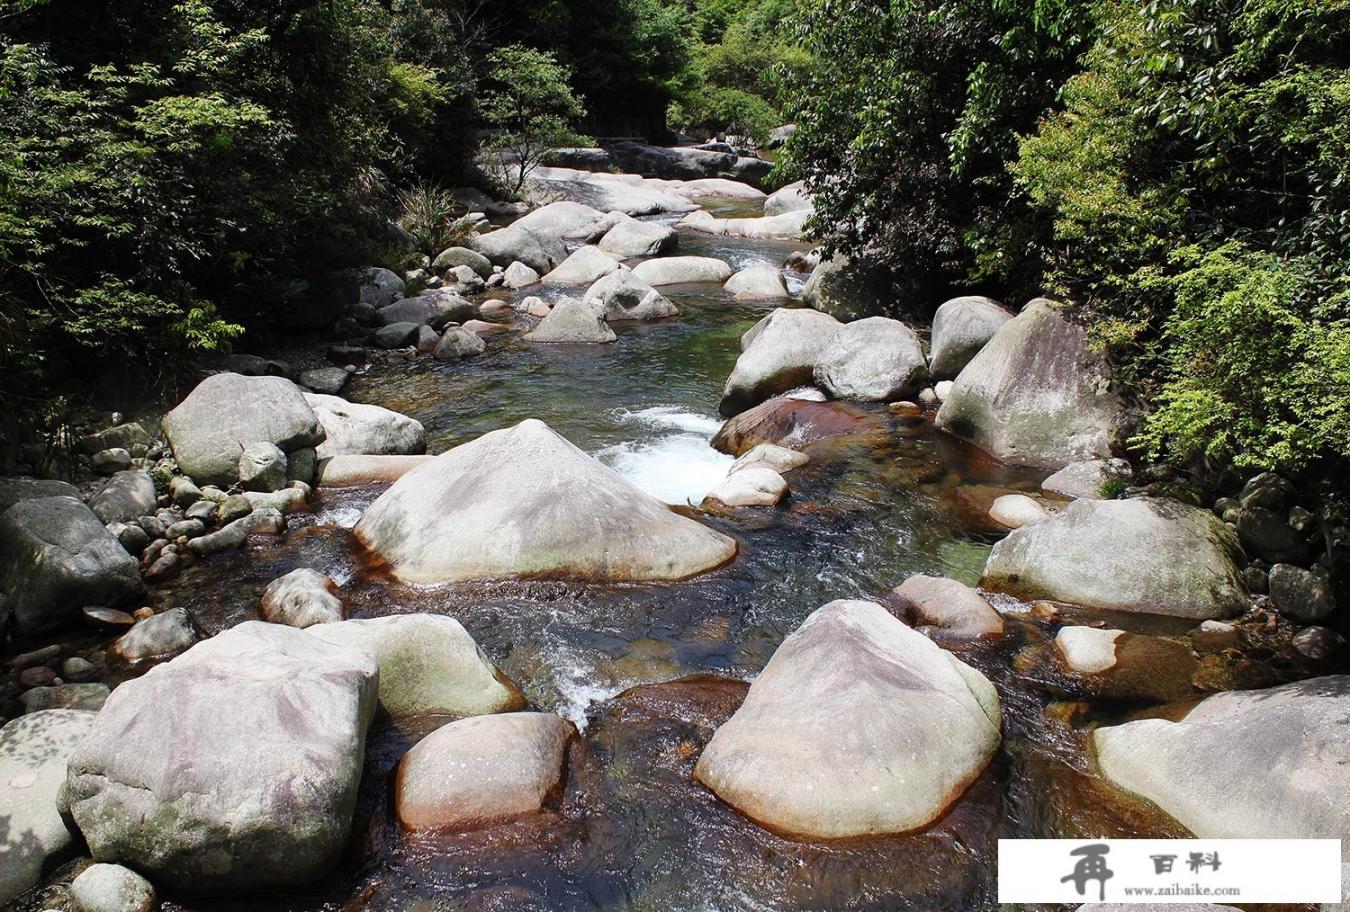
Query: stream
x=647, y=672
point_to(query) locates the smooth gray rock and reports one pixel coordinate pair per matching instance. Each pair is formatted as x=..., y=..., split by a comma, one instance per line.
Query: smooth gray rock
x=33, y=753
x=875, y=359
x=1247, y=764
x=564, y=219
x=15, y=488
x=946, y=603
x=258, y=739
x=623, y=296
x=522, y=502
x=1084, y=479
x=124, y=436
x=457, y=344
x=515, y=243
x=461, y=256
x=752, y=486
x=433, y=308
x=961, y=327
x=111, y=888
x=848, y=289
x=1143, y=555
x=160, y=635
x=584, y=266
x=397, y=335
x=226, y=412
x=779, y=353
x=127, y=495
x=1302, y=594
x=788, y=199
x=355, y=429
x=1035, y=394
x=55, y=558
x=381, y=287
x=88, y=695
x=327, y=380
x=632, y=238
x=680, y=270
x=429, y=665
x=476, y=771
x=301, y=598
x=108, y=462
x=518, y=275
x=262, y=467
x=756, y=283
x=858, y=726
x=572, y=320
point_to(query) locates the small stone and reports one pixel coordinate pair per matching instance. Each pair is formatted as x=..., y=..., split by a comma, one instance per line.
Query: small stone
x=326, y=380
x=262, y=467
x=1045, y=612
x=226, y=539
x=77, y=669
x=142, y=613
x=264, y=520
x=905, y=409
x=185, y=528
x=1301, y=520
x=942, y=389
x=153, y=526
x=155, y=637
x=396, y=335
x=183, y=491
x=301, y=598
x=427, y=338
x=107, y=618
x=1256, y=580
x=36, y=676
x=236, y=506
x=35, y=657
x=213, y=494
x=1086, y=649
x=457, y=344
x=518, y=275
x=1300, y=593
x=1215, y=636
x=132, y=538
x=928, y=398
x=203, y=510
x=165, y=567
x=1016, y=510
x=111, y=888
x=301, y=465
x=1318, y=642
x=494, y=308
x=65, y=696
x=109, y=461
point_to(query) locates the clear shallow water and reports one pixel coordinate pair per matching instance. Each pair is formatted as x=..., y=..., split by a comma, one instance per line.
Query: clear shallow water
x=633, y=831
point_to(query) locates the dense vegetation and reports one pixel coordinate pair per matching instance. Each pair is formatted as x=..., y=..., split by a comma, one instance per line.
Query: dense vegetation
x=1174, y=171
x=1177, y=172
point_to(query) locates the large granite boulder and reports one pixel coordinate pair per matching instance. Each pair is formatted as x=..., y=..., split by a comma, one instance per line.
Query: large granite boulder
x=787, y=199
x=56, y=557
x=564, y=219
x=127, y=495
x=15, y=488
x=364, y=430
x=680, y=270
x=433, y=308
x=788, y=225
x=226, y=412
x=518, y=244
x=849, y=289
x=584, y=266
x=778, y=353
x=231, y=767
x=961, y=327
x=797, y=423
x=1035, y=394
x=429, y=665
x=858, y=726
x=1270, y=764
x=1145, y=555
x=760, y=282
x=33, y=753
x=947, y=604
x=482, y=770
x=876, y=359
x=524, y=502
x=572, y=320
x=633, y=238
x=623, y=296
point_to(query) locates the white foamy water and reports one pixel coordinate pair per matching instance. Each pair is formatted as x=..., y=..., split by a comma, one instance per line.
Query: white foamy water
x=675, y=464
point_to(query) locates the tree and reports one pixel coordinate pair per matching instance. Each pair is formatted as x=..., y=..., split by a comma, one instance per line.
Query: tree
x=1198, y=181
x=530, y=109
x=905, y=120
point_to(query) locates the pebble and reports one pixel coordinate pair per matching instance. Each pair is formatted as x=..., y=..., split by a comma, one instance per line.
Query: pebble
x=76, y=668
x=111, y=888
x=107, y=618
x=203, y=510
x=142, y=613
x=163, y=568
x=1318, y=642
x=186, y=528
x=184, y=491
x=236, y=506
x=35, y=657
x=1215, y=636
x=37, y=676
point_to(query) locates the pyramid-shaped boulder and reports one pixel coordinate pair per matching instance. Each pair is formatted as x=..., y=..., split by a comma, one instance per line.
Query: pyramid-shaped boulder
x=525, y=502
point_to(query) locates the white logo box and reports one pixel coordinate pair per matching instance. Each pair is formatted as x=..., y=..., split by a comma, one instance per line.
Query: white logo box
x=1222, y=871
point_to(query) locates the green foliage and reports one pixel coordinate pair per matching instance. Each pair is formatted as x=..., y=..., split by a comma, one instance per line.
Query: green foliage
x=906, y=118
x=732, y=111
x=428, y=214
x=1198, y=181
x=529, y=105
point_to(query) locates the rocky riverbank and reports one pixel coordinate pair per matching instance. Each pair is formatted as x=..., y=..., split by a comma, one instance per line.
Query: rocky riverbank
x=443, y=637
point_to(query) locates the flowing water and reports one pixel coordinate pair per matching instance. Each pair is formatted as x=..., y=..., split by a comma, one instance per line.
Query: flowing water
x=632, y=830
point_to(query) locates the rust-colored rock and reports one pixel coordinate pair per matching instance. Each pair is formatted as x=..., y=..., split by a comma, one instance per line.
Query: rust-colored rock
x=796, y=423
